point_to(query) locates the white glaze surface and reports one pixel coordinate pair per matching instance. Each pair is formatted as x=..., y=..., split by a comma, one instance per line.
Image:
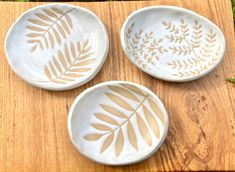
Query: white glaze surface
x=47, y=37
x=172, y=43
x=84, y=123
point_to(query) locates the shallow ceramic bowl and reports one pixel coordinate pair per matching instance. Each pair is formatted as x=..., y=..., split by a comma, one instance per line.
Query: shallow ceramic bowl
x=117, y=123
x=57, y=46
x=172, y=43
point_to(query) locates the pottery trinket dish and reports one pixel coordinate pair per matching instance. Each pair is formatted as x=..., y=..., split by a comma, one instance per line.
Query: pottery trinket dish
x=57, y=46
x=172, y=43
x=117, y=123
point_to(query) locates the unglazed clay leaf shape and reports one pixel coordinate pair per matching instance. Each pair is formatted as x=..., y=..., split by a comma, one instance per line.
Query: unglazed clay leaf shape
x=172, y=43
x=50, y=26
x=61, y=46
x=117, y=99
x=69, y=64
x=124, y=120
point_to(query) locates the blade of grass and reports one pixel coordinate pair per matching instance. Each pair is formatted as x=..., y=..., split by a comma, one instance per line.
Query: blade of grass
x=233, y=8
x=231, y=80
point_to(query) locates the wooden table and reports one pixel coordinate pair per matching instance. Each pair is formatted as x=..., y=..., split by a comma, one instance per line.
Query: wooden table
x=33, y=122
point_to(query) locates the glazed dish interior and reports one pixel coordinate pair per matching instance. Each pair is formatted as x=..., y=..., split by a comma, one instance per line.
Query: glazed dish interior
x=56, y=46
x=117, y=123
x=172, y=43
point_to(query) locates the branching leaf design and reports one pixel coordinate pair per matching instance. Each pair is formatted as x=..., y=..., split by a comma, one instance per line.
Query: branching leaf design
x=130, y=30
x=144, y=44
x=175, y=38
x=50, y=27
x=213, y=60
x=209, y=46
x=197, y=35
x=187, y=74
x=70, y=63
x=184, y=28
x=171, y=27
x=195, y=46
x=181, y=50
x=118, y=95
x=184, y=64
x=198, y=58
x=209, y=63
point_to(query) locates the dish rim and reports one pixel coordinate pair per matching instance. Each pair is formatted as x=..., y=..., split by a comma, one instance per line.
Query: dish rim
x=66, y=86
x=103, y=84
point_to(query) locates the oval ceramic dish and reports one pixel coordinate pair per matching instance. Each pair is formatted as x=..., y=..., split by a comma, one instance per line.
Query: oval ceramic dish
x=57, y=46
x=172, y=43
x=117, y=123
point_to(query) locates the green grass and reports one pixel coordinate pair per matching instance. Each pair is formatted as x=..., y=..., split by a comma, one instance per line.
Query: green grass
x=233, y=7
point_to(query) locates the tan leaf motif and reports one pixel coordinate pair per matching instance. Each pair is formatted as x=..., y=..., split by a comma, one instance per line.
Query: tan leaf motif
x=143, y=44
x=114, y=113
x=101, y=127
x=194, y=45
x=123, y=92
x=133, y=88
x=129, y=30
x=144, y=131
x=67, y=66
x=198, y=57
x=122, y=103
x=93, y=137
x=157, y=110
x=50, y=26
x=47, y=72
x=119, y=142
x=107, y=142
x=152, y=122
x=131, y=135
x=105, y=118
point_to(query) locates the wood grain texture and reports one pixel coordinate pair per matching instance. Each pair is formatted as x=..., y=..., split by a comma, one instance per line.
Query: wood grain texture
x=33, y=122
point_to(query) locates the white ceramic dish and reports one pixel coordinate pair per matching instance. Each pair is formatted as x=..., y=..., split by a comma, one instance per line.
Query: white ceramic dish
x=172, y=43
x=57, y=46
x=117, y=123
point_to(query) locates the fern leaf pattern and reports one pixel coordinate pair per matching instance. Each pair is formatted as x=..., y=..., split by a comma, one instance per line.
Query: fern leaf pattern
x=206, y=66
x=146, y=112
x=192, y=46
x=144, y=44
x=196, y=58
x=72, y=62
x=49, y=27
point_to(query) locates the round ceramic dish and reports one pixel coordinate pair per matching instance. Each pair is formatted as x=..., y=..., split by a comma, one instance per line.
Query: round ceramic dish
x=117, y=123
x=172, y=43
x=57, y=46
